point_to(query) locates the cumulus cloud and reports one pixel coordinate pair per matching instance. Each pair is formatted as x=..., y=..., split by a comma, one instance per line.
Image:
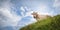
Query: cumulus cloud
x=22, y=8
x=7, y=18
x=57, y=3
x=26, y=10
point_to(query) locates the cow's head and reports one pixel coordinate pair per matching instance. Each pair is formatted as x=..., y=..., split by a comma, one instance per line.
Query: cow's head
x=34, y=14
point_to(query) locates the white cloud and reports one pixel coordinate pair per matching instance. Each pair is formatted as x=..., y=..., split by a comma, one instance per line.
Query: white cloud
x=6, y=17
x=27, y=10
x=56, y=3
x=11, y=19
x=22, y=8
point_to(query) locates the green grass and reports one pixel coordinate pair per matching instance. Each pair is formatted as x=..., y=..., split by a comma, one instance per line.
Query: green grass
x=51, y=23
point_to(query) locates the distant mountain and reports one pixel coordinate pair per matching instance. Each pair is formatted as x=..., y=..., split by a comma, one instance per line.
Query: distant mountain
x=51, y=23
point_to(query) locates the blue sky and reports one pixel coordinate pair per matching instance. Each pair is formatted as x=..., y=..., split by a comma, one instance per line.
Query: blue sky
x=15, y=14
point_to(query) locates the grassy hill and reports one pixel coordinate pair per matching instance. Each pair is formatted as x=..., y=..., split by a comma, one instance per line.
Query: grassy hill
x=51, y=23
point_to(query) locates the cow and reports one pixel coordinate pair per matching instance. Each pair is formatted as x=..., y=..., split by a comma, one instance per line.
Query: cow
x=39, y=17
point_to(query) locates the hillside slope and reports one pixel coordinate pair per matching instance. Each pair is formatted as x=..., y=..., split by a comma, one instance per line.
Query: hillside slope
x=51, y=23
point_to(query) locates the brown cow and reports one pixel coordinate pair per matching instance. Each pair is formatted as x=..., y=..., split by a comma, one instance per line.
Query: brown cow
x=39, y=17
